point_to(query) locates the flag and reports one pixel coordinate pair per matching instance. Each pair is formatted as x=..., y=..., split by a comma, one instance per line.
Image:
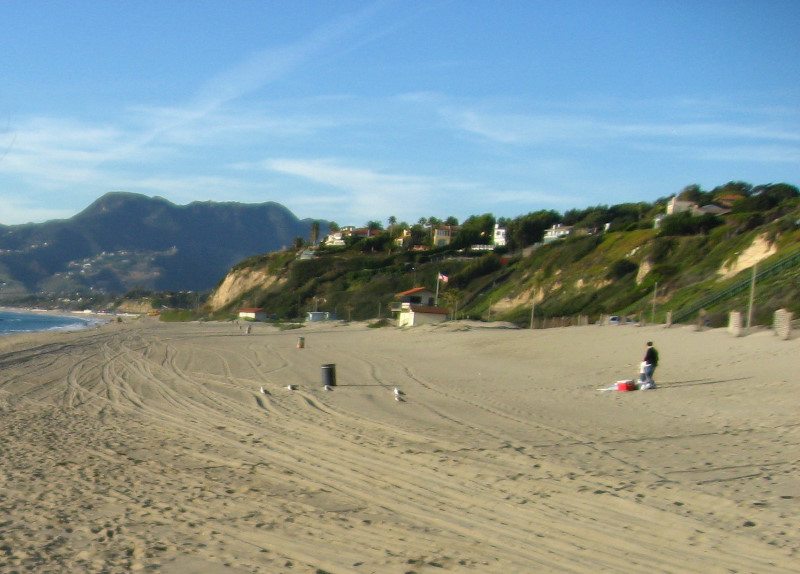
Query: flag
x=443, y=278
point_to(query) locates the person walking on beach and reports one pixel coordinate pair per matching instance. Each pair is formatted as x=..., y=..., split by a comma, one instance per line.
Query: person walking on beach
x=650, y=362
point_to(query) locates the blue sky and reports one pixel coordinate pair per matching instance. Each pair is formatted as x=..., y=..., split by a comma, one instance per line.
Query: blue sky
x=356, y=111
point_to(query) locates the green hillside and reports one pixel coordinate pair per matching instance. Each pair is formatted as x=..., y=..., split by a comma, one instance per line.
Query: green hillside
x=630, y=268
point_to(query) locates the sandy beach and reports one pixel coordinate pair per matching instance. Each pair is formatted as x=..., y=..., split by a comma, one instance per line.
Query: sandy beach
x=146, y=446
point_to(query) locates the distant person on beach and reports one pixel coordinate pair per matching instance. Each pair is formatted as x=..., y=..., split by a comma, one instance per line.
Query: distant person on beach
x=649, y=364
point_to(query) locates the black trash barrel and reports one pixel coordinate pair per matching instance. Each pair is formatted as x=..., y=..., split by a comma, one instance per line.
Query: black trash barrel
x=329, y=375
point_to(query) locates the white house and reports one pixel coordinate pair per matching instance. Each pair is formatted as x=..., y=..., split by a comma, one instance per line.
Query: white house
x=499, y=239
x=335, y=239
x=676, y=206
x=558, y=231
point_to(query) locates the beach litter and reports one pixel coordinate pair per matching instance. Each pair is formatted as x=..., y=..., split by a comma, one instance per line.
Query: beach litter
x=623, y=385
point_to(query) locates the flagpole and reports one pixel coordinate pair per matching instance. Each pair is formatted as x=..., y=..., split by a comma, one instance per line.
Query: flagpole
x=436, y=301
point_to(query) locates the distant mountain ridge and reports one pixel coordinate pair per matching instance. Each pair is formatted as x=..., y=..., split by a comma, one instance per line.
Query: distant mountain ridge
x=128, y=240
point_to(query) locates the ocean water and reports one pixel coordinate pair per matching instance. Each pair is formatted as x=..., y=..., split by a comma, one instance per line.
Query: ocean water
x=27, y=322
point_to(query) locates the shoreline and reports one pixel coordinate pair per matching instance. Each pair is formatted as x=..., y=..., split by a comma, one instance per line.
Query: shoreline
x=80, y=321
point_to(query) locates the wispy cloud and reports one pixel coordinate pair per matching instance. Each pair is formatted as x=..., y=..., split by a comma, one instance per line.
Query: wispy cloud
x=581, y=129
x=53, y=152
x=365, y=194
x=362, y=192
x=23, y=211
x=265, y=67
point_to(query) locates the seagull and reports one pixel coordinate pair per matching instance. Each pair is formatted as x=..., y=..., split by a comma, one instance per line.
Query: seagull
x=263, y=392
x=397, y=392
x=399, y=399
x=327, y=388
x=291, y=387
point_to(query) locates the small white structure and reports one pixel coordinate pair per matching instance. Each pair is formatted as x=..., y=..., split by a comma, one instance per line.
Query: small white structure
x=314, y=316
x=252, y=314
x=409, y=315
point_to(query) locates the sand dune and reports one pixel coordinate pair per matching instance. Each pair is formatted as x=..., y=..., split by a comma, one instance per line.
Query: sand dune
x=149, y=447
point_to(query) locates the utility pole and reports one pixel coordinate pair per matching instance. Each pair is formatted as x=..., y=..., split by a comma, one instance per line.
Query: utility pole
x=655, y=292
x=752, y=296
x=533, y=308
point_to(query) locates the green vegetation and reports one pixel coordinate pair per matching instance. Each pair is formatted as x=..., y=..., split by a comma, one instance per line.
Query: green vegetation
x=615, y=262
x=177, y=315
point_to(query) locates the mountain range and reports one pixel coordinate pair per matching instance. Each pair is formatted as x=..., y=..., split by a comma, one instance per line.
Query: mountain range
x=125, y=240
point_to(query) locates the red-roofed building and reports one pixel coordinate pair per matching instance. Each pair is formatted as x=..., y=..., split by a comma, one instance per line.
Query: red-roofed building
x=417, y=296
x=416, y=307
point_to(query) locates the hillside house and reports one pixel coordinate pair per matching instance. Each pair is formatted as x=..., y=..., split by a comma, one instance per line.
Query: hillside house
x=252, y=314
x=339, y=238
x=444, y=235
x=335, y=239
x=404, y=239
x=677, y=206
x=499, y=239
x=558, y=231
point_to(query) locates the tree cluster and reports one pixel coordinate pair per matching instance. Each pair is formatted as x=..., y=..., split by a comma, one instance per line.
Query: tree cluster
x=754, y=205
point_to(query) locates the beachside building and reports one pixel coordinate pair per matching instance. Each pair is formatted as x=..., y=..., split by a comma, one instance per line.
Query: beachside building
x=252, y=314
x=417, y=296
x=314, y=316
x=417, y=307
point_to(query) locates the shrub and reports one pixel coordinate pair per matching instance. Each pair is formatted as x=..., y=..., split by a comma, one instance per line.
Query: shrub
x=621, y=268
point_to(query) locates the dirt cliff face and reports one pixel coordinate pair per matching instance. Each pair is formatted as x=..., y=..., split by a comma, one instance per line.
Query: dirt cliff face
x=760, y=249
x=237, y=283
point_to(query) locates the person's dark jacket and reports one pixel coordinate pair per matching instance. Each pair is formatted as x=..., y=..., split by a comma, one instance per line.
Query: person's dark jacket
x=651, y=356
